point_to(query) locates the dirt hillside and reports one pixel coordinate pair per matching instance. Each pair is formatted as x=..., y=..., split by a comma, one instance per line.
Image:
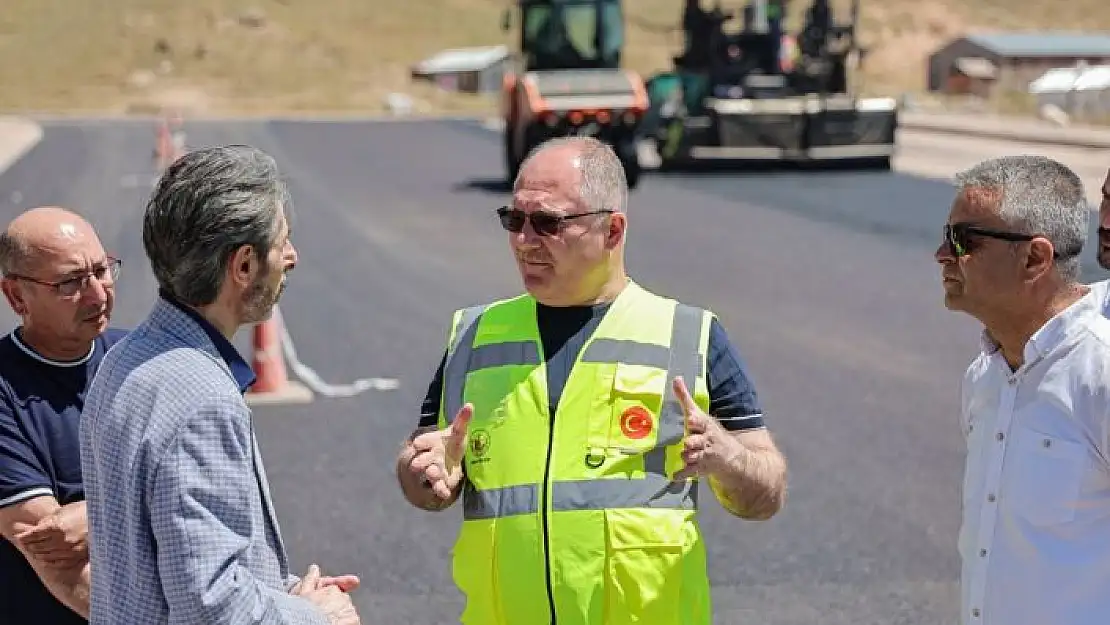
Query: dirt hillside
x=226, y=56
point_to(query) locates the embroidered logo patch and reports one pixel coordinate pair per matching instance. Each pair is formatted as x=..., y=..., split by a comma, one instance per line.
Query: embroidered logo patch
x=636, y=422
x=479, y=443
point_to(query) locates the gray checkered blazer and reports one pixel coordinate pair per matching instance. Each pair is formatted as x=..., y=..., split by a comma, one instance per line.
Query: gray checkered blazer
x=181, y=526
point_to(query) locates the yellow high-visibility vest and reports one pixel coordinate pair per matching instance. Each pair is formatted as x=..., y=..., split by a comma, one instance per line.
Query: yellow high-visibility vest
x=576, y=513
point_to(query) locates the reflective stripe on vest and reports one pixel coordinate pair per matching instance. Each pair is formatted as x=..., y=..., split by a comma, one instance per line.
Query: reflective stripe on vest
x=656, y=489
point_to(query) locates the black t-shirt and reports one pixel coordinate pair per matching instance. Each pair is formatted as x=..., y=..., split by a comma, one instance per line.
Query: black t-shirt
x=40, y=411
x=565, y=330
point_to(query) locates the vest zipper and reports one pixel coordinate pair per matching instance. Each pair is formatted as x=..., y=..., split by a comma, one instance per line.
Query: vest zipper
x=543, y=514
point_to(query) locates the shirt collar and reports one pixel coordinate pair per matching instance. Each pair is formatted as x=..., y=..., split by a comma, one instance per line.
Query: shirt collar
x=33, y=354
x=1053, y=333
x=240, y=368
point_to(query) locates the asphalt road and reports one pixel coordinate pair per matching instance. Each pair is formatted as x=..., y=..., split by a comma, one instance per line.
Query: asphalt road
x=825, y=281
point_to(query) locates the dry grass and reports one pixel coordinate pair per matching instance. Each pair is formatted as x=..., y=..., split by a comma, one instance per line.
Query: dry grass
x=226, y=56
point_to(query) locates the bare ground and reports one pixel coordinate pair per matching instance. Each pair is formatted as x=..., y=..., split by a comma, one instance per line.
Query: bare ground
x=280, y=56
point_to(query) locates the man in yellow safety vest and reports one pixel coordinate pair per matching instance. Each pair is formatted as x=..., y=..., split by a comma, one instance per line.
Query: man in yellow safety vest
x=575, y=419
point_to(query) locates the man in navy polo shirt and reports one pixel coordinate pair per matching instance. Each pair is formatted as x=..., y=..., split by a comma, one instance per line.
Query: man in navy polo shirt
x=59, y=280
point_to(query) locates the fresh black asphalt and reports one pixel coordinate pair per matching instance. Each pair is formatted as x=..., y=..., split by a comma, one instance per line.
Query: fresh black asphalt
x=825, y=281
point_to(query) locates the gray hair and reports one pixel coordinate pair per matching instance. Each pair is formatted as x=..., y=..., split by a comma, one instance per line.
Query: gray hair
x=1037, y=195
x=603, y=185
x=207, y=204
x=13, y=254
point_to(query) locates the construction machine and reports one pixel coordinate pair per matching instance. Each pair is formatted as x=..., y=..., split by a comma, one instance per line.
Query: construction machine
x=569, y=81
x=760, y=94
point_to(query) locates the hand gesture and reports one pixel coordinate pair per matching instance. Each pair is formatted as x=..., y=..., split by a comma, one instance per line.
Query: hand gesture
x=313, y=579
x=326, y=593
x=708, y=447
x=60, y=539
x=439, y=454
x=345, y=583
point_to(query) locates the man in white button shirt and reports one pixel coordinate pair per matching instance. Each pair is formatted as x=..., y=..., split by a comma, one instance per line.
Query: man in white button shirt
x=1035, y=538
x=1103, y=287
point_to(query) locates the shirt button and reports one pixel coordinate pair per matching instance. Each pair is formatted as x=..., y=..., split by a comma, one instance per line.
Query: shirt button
x=1000, y=436
x=982, y=553
x=975, y=612
x=991, y=497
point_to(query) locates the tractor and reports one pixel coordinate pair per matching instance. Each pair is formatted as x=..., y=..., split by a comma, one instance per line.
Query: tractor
x=569, y=82
x=760, y=94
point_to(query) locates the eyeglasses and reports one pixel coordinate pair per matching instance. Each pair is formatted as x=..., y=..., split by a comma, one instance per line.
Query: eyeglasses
x=545, y=223
x=105, y=274
x=958, y=237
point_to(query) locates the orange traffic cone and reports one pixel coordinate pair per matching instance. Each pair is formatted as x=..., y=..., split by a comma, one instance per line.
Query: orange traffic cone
x=163, y=146
x=272, y=384
x=175, y=124
x=170, y=142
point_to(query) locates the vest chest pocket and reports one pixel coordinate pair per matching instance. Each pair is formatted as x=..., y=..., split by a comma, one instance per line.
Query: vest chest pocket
x=498, y=393
x=636, y=401
x=644, y=570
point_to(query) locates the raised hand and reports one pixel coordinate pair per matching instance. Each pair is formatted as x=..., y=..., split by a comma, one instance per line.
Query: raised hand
x=439, y=454
x=708, y=448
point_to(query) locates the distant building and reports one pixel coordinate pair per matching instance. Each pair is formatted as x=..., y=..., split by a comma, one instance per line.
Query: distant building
x=471, y=70
x=1082, y=92
x=982, y=63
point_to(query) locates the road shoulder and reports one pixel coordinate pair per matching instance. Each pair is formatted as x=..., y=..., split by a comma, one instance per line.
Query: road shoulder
x=1007, y=128
x=18, y=136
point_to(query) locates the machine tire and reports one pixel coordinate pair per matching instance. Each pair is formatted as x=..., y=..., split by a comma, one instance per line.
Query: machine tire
x=632, y=171
x=882, y=163
x=512, y=164
x=512, y=161
x=626, y=152
x=669, y=164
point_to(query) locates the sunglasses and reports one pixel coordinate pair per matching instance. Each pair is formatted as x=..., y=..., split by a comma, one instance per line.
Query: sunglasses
x=545, y=223
x=958, y=236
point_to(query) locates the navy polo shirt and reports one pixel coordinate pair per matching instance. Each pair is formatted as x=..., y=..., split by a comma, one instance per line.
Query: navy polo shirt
x=240, y=368
x=564, y=331
x=40, y=410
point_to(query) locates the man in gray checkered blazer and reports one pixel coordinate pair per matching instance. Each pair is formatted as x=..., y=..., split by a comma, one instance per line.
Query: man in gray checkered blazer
x=181, y=526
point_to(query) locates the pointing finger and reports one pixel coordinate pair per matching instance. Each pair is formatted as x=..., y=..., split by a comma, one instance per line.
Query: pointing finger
x=695, y=418
x=462, y=420
x=457, y=432
x=683, y=395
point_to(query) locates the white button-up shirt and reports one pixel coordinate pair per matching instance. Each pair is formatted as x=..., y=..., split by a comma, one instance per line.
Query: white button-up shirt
x=1035, y=538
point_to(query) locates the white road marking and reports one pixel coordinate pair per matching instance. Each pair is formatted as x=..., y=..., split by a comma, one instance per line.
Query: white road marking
x=313, y=381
